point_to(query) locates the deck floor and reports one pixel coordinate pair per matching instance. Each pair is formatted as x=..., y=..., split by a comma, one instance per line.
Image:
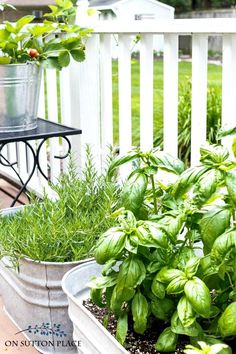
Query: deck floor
x=7, y=328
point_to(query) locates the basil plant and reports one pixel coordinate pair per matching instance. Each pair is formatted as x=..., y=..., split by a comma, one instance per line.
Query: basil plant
x=171, y=257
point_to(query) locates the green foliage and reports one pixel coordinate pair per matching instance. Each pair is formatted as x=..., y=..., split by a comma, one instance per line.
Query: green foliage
x=180, y=5
x=65, y=229
x=53, y=43
x=152, y=265
x=184, y=119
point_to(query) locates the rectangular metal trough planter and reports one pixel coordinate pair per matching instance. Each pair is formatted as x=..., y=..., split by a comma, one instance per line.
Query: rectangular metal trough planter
x=92, y=336
x=34, y=300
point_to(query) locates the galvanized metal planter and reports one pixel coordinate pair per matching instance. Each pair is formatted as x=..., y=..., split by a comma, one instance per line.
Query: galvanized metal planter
x=34, y=300
x=93, y=337
x=19, y=96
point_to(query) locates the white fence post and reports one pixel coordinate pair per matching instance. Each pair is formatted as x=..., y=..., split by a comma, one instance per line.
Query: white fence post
x=170, y=104
x=199, y=95
x=106, y=94
x=124, y=72
x=146, y=92
x=229, y=85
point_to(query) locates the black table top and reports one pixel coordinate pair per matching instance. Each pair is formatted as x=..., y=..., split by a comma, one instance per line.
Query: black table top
x=45, y=129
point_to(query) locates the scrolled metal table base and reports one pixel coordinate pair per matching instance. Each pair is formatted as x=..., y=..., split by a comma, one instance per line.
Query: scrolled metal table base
x=36, y=164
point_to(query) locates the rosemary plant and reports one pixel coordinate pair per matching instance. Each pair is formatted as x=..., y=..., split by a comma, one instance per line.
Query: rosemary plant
x=64, y=230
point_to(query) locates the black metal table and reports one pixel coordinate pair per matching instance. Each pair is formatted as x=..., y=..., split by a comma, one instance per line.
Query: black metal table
x=45, y=130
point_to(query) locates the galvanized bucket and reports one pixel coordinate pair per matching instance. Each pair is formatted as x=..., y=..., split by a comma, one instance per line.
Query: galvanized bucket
x=93, y=337
x=34, y=300
x=19, y=96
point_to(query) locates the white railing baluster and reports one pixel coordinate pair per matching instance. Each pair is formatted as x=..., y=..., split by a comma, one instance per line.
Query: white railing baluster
x=199, y=94
x=124, y=72
x=65, y=91
x=170, y=104
x=43, y=154
x=53, y=116
x=85, y=110
x=228, y=85
x=146, y=92
x=106, y=93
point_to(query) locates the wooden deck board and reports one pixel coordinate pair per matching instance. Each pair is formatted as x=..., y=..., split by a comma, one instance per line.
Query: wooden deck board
x=7, y=334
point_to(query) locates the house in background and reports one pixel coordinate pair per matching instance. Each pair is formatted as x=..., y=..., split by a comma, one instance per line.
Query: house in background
x=130, y=10
x=123, y=10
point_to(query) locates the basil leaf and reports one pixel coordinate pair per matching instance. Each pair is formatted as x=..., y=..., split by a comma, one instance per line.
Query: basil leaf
x=227, y=322
x=96, y=296
x=166, y=275
x=210, y=341
x=230, y=181
x=167, y=162
x=167, y=341
x=206, y=186
x=192, y=330
x=153, y=267
x=198, y=295
x=110, y=245
x=162, y=309
x=140, y=312
x=222, y=246
x=187, y=179
x=172, y=225
x=185, y=312
x=120, y=160
x=150, y=235
x=176, y=286
x=158, y=289
x=214, y=223
x=182, y=258
x=116, y=304
x=213, y=154
x=131, y=274
x=192, y=267
x=103, y=282
x=133, y=192
x=122, y=328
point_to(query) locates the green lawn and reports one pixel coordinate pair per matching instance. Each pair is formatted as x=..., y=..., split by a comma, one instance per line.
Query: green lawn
x=214, y=79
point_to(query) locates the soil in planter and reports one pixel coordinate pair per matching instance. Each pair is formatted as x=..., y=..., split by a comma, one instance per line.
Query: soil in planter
x=135, y=343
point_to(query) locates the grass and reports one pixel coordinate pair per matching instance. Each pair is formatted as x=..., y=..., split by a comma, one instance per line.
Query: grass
x=214, y=80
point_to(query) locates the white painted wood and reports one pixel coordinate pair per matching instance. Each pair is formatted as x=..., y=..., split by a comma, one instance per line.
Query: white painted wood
x=66, y=115
x=22, y=160
x=43, y=155
x=106, y=94
x=170, y=105
x=41, y=108
x=184, y=26
x=199, y=95
x=146, y=92
x=124, y=72
x=228, y=86
x=53, y=116
x=85, y=110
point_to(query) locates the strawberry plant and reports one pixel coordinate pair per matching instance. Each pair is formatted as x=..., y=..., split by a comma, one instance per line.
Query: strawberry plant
x=171, y=257
x=54, y=42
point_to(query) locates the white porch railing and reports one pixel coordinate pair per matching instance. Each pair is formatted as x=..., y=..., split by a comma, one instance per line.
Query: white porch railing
x=86, y=99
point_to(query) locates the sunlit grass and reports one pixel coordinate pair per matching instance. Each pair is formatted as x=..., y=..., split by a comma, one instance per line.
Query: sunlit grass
x=214, y=79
